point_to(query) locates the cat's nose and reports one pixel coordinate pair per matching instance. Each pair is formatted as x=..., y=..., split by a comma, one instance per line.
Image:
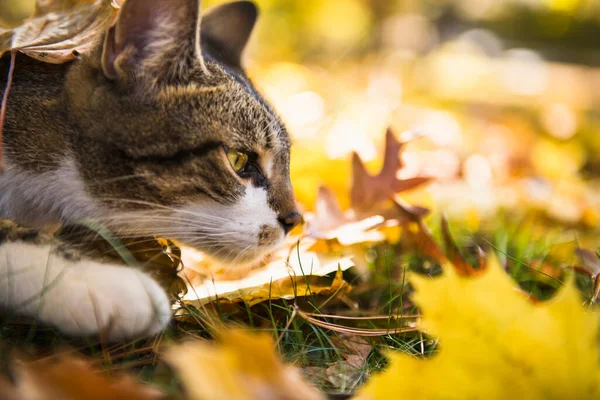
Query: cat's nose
x=290, y=221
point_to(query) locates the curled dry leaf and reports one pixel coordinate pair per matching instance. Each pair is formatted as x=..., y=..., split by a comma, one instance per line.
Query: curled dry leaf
x=57, y=33
x=60, y=29
x=496, y=343
x=70, y=378
x=453, y=253
x=240, y=366
x=591, y=267
x=329, y=222
x=349, y=372
x=293, y=271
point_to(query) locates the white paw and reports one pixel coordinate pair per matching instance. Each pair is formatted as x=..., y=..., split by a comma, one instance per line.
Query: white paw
x=114, y=301
x=83, y=297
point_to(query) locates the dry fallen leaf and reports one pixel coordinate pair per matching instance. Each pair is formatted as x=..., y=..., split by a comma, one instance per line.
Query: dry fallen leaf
x=329, y=222
x=347, y=374
x=591, y=267
x=70, y=378
x=453, y=253
x=240, y=366
x=61, y=29
x=58, y=32
x=369, y=192
x=293, y=271
x=496, y=344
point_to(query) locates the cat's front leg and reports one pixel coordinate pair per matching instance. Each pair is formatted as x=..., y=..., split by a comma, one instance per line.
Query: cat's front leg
x=80, y=297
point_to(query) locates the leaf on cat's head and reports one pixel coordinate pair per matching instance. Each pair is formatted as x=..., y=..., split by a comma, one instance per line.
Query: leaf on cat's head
x=239, y=366
x=70, y=378
x=43, y=7
x=60, y=29
x=368, y=192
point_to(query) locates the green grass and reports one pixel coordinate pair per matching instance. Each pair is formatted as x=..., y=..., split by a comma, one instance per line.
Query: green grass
x=521, y=243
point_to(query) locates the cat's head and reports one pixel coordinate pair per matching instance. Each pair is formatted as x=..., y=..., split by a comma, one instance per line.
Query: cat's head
x=183, y=145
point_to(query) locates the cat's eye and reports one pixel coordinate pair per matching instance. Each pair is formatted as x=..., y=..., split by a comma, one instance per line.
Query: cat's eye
x=237, y=159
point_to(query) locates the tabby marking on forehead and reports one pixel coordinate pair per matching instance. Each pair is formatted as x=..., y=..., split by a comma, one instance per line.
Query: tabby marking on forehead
x=171, y=91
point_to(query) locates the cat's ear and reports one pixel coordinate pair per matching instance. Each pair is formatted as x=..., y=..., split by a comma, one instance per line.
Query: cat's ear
x=153, y=38
x=226, y=29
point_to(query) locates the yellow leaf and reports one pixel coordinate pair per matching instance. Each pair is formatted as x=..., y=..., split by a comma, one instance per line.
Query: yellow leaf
x=294, y=271
x=242, y=366
x=496, y=344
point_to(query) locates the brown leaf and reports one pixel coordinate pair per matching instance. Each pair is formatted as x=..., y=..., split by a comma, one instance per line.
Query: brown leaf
x=369, y=191
x=417, y=236
x=591, y=267
x=71, y=378
x=60, y=29
x=453, y=253
x=591, y=261
x=405, y=212
x=354, y=348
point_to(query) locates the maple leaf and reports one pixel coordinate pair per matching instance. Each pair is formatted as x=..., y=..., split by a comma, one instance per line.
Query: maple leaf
x=70, y=378
x=496, y=344
x=368, y=191
x=241, y=366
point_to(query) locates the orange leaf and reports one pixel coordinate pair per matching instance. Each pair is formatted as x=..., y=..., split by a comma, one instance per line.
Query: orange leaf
x=369, y=191
x=71, y=378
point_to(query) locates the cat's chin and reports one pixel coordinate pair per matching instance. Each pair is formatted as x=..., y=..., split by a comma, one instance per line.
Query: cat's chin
x=248, y=259
x=236, y=256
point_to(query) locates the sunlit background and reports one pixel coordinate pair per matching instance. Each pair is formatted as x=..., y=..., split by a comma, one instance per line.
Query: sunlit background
x=505, y=92
x=504, y=97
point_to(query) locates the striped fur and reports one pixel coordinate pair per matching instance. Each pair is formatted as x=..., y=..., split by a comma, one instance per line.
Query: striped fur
x=132, y=138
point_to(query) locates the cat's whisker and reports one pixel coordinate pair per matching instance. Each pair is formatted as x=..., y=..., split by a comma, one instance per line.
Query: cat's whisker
x=172, y=209
x=152, y=218
x=128, y=224
x=121, y=178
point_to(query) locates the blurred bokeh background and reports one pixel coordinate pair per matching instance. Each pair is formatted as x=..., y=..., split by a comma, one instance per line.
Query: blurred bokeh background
x=506, y=93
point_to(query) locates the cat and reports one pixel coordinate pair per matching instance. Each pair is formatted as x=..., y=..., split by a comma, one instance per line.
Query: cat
x=157, y=132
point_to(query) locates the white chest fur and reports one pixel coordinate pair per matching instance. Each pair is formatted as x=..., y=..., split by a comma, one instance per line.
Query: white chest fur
x=41, y=199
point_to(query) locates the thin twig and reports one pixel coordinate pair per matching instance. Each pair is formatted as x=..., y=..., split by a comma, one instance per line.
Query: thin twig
x=289, y=323
x=377, y=317
x=355, y=331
